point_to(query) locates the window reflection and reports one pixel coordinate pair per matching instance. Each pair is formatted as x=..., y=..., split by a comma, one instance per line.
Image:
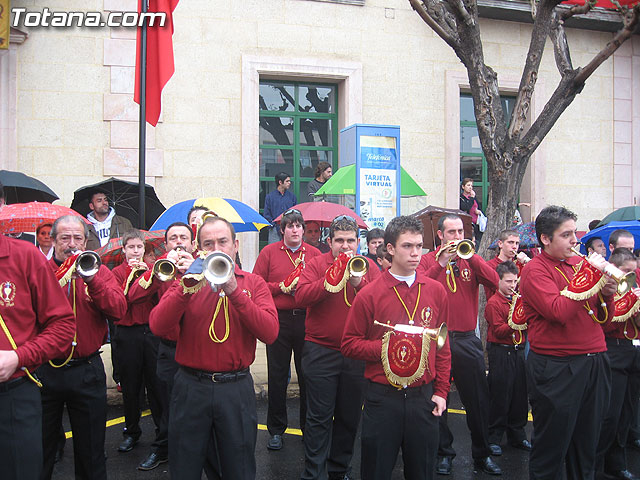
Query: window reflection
x=276, y=131
x=316, y=99
x=277, y=97
x=315, y=132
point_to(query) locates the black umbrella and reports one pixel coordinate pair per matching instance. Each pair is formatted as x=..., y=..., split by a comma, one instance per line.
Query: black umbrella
x=21, y=188
x=123, y=197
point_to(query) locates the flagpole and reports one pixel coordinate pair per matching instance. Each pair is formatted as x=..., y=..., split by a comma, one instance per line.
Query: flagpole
x=142, y=144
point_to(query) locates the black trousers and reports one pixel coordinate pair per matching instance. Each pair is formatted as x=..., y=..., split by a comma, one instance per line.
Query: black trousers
x=202, y=410
x=335, y=387
x=624, y=359
x=509, y=407
x=115, y=354
x=138, y=350
x=83, y=389
x=393, y=419
x=290, y=339
x=468, y=370
x=20, y=430
x=569, y=398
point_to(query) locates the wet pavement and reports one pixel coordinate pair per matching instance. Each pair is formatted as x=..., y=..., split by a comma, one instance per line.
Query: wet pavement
x=288, y=462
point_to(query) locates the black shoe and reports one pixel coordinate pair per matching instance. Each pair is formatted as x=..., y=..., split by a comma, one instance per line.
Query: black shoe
x=486, y=465
x=127, y=444
x=340, y=476
x=152, y=461
x=523, y=445
x=623, y=474
x=275, y=442
x=496, y=450
x=443, y=465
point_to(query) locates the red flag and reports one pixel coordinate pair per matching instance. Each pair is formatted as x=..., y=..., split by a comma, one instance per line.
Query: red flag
x=160, y=66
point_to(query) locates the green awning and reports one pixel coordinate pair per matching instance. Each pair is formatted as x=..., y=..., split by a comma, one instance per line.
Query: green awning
x=343, y=182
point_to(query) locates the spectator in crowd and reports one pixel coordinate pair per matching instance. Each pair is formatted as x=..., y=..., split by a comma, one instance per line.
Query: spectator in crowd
x=105, y=224
x=469, y=204
x=323, y=173
x=45, y=242
x=375, y=237
x=277, y=202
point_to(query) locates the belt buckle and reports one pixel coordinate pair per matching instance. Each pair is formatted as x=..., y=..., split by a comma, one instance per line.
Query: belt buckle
x=591, y=354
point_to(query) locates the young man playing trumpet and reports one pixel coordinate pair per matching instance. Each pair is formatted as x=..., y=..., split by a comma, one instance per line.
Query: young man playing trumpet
x=334, y=383
x=280, y=265
x=508, y=245
x=461, y=279
x=568, y=375
x=402, y=404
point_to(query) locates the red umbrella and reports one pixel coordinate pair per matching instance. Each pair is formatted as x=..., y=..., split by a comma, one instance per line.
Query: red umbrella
x=112, y=254
x=26, y=217
x=324, y=213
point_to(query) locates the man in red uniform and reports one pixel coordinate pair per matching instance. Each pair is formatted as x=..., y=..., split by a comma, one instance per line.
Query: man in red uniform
x=216, y=334
x=508, y=244
x=509, y=406
x=568, y=376
x=37, y=325
x=138, y=350
x=275, y=264
x=461, y=279
x=624, y=358
x=77, y=378
x=334, y=383
x=399, y=417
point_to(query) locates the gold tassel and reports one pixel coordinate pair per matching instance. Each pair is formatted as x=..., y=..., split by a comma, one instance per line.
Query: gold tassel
x=336, y=288
x=67, y=276
x=290, y=287
x=199, y=279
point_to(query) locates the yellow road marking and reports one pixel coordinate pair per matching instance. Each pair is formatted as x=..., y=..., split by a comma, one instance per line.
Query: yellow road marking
x=290, y=431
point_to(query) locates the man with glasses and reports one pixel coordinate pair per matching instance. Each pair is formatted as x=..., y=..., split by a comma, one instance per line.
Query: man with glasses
x=279, y=264
x=278, y=201
x=461, y=279
x=334, y=383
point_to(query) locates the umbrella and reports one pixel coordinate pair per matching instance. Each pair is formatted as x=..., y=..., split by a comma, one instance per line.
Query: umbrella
x=528, y=237
x=123, y=197
x=324, y=213
x=621, y=215
x=242, y=216
x=25, y=217
x=431, y=215
x=343, y=182
x=112, y=253
x=604, y=232
x=21, y=188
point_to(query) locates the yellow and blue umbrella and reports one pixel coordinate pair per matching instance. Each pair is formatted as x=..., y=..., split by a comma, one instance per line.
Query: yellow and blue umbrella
x=242, y=216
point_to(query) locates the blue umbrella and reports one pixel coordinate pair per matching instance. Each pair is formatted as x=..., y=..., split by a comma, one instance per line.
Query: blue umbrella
x=528, y=238
x=605, y=232
x=242, y=217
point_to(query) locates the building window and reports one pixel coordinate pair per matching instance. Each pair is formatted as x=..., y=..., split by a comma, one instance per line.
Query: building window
x=298, y=129
x=473, y=163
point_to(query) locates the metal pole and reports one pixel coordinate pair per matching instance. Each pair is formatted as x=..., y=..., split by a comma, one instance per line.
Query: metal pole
x=142, y=144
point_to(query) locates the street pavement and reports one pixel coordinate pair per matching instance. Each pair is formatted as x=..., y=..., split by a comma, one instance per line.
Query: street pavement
x=289, y=462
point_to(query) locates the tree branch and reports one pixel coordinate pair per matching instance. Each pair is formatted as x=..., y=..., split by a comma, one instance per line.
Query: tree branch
x=440, y=26
x=577, y=10
x=462, y=10
x=560, y=45
x=630, y=19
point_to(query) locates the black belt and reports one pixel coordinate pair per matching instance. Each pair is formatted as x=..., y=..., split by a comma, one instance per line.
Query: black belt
x=10, y=384
x=218, y=377
x=509, y=347
x=462, y=334
x=74, y=362
x=168, y=343
x=618, y=341
x=294, y=312
x=391, y=390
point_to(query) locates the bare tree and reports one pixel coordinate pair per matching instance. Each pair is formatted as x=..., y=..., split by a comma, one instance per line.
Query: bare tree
x=508, y=145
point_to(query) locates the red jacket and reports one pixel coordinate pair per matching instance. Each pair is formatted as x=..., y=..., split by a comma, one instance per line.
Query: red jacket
x=497, y=315
x=186, y=318
x=326, y=311
x=558, y=325
x=32, y=306
x=362, y=339
x=275, y=263
x=94, y=302
x=137, y=311
x=463, y=305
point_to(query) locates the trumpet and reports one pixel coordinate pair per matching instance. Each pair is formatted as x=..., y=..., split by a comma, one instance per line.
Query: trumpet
x=464, y=249
x=439, y=335
x=88, y=263
x=625, y=280
x=218, y=268
x=357, y=266
x=165, y=269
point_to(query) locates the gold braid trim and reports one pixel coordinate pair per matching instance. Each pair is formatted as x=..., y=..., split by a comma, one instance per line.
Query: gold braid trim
x=290, y=287
x=336, y=288
x=628, y=315
x=396, y=380
x=199, y=280
x=584, y=295
x=135, y=272
x=67, y=276
x=514, y=326
x=144, y=283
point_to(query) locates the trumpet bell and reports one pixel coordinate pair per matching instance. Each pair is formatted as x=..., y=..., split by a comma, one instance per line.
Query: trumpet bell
x=439, y=335
x=164, y=269
x=626, y=283
x=357, y=266
x=88, y=263
x=465, y=249
x=218, y=268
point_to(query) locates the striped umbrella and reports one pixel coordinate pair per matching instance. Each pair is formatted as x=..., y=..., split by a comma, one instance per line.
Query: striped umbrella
x=242, y=216
x=26, y=217
x=112, y=254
